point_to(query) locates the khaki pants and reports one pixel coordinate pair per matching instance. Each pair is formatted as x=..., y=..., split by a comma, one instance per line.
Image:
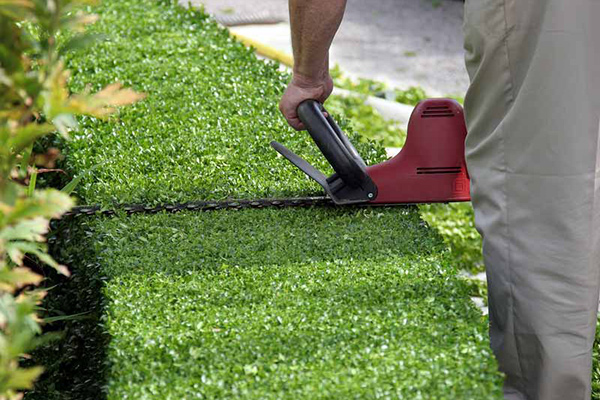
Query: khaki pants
x=533, y=152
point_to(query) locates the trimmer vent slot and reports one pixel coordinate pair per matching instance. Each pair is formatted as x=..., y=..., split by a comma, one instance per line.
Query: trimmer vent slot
x=438, y=170
x=438, y=116
x=437, y=112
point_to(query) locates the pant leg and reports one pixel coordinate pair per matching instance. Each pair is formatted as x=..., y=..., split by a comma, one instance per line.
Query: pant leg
x=533, y=152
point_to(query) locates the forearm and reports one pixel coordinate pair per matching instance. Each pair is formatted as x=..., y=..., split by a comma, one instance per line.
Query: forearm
x=314, y=25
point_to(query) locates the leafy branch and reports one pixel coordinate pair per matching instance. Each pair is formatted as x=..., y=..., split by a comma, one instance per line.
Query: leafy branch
x=34, y=102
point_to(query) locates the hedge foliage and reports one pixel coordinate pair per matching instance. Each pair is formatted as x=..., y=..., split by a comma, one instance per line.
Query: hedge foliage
x=295, y=303
x=289, y=304
x=455, y=222
x=204, y=130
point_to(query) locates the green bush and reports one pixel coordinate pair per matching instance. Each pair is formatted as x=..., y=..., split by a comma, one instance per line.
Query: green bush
x=295, y=303
x=369, y=87
x=204, y=130
x=34, y=102
x=412, y=95
x=366, y=120
x=456, y=223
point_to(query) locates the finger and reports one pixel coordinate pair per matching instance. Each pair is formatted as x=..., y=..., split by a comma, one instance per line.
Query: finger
x=296, y=124
x=324, y=96
x=291, y=115
x=282, y=107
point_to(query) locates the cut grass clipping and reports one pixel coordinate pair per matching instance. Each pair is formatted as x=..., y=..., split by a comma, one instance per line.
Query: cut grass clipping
x=297, y=303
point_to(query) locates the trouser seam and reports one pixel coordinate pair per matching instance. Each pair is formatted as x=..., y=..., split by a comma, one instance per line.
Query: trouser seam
x=510, y=102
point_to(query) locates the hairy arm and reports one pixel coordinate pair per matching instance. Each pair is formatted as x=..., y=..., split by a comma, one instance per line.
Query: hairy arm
x=314, y=25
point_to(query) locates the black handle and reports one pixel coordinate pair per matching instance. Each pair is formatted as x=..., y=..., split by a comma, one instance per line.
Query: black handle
x=333, y=143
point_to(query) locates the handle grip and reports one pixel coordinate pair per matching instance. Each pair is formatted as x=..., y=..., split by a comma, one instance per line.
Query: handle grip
x=333, y=143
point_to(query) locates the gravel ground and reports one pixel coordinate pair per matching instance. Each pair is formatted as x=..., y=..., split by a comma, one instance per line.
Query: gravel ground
x=401, y=42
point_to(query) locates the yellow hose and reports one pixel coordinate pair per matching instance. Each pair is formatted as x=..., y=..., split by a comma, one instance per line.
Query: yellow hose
x=266, y=50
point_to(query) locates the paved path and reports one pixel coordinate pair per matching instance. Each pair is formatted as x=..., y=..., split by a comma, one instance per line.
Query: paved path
x=402, y=42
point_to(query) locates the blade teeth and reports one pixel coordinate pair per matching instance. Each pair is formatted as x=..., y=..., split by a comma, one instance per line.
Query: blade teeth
x=129, y=209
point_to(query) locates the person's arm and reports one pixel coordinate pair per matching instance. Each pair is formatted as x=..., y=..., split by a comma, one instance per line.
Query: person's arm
x=314, y=25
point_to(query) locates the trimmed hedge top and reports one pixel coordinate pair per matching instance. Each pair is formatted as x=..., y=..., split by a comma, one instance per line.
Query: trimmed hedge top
x=204, y=130
x=298, y=304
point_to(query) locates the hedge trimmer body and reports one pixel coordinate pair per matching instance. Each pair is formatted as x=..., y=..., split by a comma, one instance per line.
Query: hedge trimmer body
x=430, y=168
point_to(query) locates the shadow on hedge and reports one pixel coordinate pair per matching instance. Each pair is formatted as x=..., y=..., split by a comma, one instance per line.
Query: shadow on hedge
x=75, y=363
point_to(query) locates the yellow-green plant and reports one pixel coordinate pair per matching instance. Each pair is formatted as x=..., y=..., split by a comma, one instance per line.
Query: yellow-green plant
x=34, y=101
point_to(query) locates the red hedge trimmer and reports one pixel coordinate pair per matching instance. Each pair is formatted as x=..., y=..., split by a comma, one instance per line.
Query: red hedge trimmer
x=430, y=168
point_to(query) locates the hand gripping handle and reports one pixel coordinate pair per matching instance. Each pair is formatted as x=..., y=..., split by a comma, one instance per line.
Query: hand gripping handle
x=334, y=144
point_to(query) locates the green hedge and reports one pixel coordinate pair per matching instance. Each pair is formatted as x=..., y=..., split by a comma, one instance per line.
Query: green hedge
x=296, y=303
x=289, y=304
x=303, y=303
x=204, y=130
